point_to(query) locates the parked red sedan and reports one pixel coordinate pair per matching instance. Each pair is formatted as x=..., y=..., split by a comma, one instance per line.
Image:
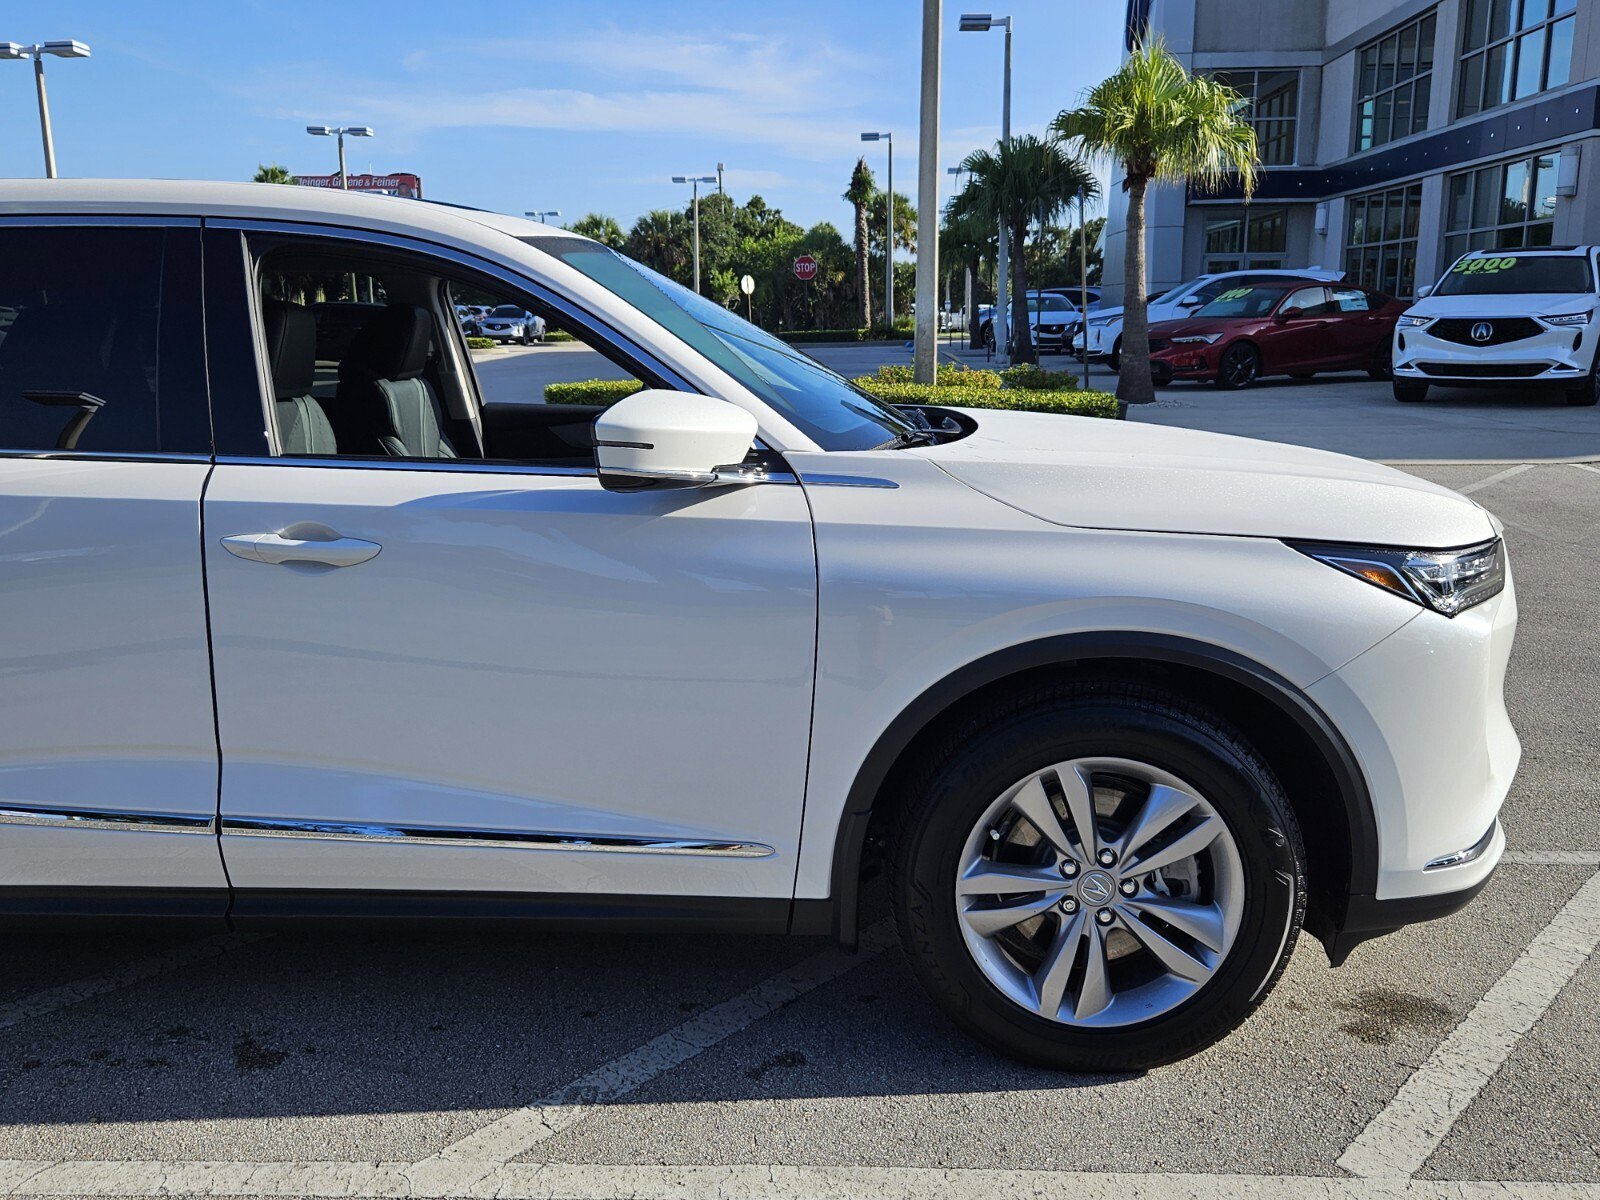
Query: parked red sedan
x=1290, y=328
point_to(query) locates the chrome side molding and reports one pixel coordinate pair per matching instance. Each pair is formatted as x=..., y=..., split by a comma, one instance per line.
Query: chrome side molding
x=1462, y=857
x=345, y=831
x=119, y=822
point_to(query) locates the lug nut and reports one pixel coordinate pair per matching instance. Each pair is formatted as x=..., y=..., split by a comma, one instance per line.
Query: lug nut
x=1069, y=868
x=1130, y=887
x=1069, y=905
x=1103, y=916
x=1107, y=858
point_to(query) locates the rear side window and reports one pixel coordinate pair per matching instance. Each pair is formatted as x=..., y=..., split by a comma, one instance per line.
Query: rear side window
x=101, y=341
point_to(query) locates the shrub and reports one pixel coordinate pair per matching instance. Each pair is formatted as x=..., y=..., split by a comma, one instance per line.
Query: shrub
x=558, y=335
x=598, y=392
x=1073, y=403
x=1035, y=378
x=949, y=375
x=478, y=343
x=876, y=334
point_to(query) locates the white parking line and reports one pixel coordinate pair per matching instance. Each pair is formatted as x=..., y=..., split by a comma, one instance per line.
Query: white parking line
x=1495, y=478
x=516, y=1132
x=67, y=994
x=1553, y=858
x=1397, y=1142
x=567, y=1181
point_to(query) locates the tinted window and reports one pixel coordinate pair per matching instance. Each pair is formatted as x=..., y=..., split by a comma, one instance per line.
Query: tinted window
x=101, y=341
x=1311, y=302
x=1242, y=301
x=1512, y=275
x=506, y=310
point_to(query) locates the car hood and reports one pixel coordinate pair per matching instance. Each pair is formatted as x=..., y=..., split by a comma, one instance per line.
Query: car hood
x=1192, y=325
x=1516, y=305
x=1094, y=473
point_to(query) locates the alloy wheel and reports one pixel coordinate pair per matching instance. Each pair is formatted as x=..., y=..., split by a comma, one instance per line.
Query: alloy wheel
x=1100, y=892
x=1238, y=368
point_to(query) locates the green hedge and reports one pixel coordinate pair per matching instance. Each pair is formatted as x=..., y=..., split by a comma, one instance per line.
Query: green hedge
x=478, y=343
x=1035, y=378
x=558, y=335
x=598, y=392
x=949, y=375
x=1072, y=403
x=876, y=334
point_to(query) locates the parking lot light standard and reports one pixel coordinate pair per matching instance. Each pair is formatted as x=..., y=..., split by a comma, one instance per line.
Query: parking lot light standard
x=339, y=131
x=543, y=215
x=62, y=48
x=983, y=23
x=694, y=181
x=888, y=246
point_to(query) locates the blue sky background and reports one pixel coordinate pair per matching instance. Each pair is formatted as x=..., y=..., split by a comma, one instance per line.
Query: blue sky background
x=514, y=106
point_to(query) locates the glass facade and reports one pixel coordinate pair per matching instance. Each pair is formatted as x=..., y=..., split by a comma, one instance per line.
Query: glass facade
x=1274, y=110
x=1512, y=49
x=1245, y=237
x=1380, y=243
x=1501, y=207
x=1394, y=84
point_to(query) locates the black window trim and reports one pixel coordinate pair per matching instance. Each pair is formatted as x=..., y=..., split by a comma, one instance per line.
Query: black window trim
x=1509, y=42
x=1397, y=31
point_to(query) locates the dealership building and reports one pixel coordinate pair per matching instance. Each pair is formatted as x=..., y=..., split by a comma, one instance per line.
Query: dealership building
x=1394, y=135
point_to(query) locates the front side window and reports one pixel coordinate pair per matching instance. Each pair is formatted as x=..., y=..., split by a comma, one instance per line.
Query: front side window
x=1519, y=275
x=1394, y=84
x=1273, y=108
x=1380, y=245
x=101, y=341
x=1512, y=49
x=1243, y=238
x=1502, y=207
x=827, y=408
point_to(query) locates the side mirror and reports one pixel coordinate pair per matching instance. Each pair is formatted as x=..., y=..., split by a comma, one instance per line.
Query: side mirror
x=1425, y=291
x=1190, y=302
x=656, y=439
x=1289, y=314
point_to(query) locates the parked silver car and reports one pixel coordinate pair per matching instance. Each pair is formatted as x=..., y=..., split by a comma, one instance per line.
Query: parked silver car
x=508, y=323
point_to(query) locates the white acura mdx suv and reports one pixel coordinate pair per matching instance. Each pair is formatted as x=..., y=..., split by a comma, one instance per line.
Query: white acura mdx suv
x=1506, y=319
x=301, y=623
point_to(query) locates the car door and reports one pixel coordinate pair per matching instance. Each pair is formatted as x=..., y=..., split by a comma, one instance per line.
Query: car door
x=516, y=682
x=108, y=762
x=1298, y=338
x=1359, y=326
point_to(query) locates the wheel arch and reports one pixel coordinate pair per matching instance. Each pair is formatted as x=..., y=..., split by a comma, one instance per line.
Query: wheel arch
x=1319, y=770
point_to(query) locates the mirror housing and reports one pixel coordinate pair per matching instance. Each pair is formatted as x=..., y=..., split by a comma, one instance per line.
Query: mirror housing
x=656, y=439
x=1289, y=314
x=1190, y=302
x=1425, y=291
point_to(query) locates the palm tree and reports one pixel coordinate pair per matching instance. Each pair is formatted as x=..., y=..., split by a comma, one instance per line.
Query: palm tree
x=1022, y=179
x=860, y=193
x=272, y=173
x=965, y=241
x=1158, y=124
x=601, y=228
x=660, y=240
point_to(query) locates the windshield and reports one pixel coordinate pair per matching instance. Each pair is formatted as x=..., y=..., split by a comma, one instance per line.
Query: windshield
x=507, y=310
x=833, y=412
x=1519, y=275
x=1048, y=304
x=1173, y=294
x=1242, y=302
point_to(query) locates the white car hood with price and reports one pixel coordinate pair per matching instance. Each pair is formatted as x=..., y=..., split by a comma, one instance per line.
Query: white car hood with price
x=1101, y=474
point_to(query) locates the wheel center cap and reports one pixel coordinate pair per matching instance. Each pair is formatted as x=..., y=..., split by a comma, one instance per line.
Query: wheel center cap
x=1096, y=888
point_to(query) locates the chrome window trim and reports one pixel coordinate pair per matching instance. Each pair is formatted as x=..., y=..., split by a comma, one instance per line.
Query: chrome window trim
x=147, y=219
x=107, y=456
x=856, y=481
x=381, y=834
x=457, y=466
x=119, y=822
x=1462, y=857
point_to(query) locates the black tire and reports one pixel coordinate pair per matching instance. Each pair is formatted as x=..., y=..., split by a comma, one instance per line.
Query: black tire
x=988, y=338
x=1382, y=366
x=1410, y=393
x=1115, y=361
x=1586, y=393
x=987, y=752
x=1239, y=367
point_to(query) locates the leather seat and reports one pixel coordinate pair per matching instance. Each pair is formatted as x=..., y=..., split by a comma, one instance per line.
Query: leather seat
x=384, y=405
x=303, y=426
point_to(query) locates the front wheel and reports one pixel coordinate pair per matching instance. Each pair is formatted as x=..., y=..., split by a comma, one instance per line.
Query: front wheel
x=988, y=338
x=1587, y=392
x=1382, y=365
x=1104, y=879
x=1240, y=366
x=1115, y=361
x=1410, y=393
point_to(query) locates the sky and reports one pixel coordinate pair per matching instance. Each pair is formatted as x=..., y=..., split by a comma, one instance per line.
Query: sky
x=513, y=106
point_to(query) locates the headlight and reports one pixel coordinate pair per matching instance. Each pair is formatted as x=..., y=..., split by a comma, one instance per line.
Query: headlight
x=1196, y=339
x=1447, y=581
x=1416, y=322
x=1101, y=322
x=1582, y=318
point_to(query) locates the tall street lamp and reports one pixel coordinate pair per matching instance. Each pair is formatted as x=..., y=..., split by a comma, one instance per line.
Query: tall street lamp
x=982, y=23
x=339, y=131
x=966, y=295
x=888, y=246
x=543, y=215
x=66, y=48
x=695, y=181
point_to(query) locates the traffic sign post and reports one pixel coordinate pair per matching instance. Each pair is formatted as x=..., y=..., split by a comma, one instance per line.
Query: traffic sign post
x=747, y=285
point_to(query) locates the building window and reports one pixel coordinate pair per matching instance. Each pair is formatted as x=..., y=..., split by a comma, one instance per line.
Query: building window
x=1513, y=48
x=1273, y=100
x=1395, y=84
x=1241, y=238
x=1380, y=244
x=1502, y=207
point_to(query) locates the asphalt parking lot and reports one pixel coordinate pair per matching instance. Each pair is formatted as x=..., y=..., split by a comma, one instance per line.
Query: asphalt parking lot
x=1456, y=1060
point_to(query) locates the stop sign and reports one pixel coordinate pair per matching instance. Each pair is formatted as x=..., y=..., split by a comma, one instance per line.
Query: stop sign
x=805, y=268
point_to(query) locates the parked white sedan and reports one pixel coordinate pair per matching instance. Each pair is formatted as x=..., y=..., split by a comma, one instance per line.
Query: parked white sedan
x=298, y=624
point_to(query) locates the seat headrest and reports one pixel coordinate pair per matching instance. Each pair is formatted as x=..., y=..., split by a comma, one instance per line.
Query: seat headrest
x=392, y=345
x=291, y=347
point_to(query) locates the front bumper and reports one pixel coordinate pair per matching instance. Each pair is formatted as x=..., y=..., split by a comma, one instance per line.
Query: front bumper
x=1101, y=338
x=1197, y=362
x=1559, y=357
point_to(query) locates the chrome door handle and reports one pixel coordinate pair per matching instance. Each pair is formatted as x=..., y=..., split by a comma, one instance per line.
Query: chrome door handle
x=275, y=548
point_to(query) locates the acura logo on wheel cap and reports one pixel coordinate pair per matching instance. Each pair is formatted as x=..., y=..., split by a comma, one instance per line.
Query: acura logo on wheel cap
x=1482, y=331
x=1097, y=888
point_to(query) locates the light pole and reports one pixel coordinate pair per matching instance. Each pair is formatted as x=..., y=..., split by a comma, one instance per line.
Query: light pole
x=65, y=48
x=925, y=348
x=720, y=169
x=543, y=215
x=966, y=295
x=339, y=132
x=695, y=181
x=982, y=23
x=888, y=246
